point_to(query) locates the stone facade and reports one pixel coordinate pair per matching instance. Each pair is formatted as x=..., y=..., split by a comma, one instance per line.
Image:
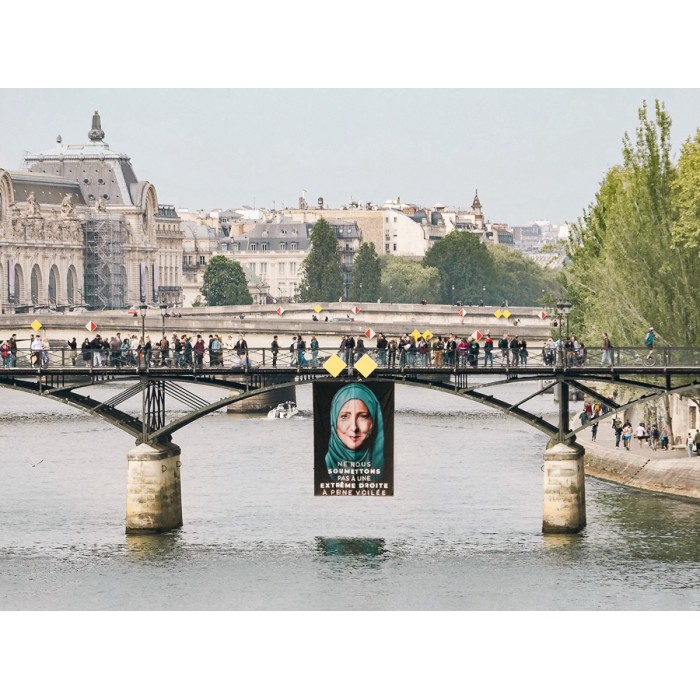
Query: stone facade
x=78, y=228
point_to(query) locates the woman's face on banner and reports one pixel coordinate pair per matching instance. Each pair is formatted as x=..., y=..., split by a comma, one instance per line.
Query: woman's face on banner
x=354, y=424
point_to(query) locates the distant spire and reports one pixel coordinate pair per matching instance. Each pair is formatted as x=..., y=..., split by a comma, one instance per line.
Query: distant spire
x=476, y=204
x=96, y=133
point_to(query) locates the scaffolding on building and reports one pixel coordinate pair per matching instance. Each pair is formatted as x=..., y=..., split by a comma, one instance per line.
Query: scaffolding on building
x=105, y=269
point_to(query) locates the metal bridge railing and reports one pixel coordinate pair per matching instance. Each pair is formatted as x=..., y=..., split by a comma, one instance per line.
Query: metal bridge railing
x=255, y=358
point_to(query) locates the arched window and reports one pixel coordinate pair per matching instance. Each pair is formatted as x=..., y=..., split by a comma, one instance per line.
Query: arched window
x=70, y=286
x=53, y=286
x=35, y=284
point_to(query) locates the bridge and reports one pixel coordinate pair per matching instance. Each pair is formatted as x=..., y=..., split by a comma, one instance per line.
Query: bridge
x=153, y=493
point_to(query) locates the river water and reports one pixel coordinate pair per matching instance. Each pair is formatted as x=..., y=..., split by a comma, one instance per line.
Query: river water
x=463, y=531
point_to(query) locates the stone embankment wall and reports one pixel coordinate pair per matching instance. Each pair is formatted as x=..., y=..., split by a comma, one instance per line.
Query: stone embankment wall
x=679, y=477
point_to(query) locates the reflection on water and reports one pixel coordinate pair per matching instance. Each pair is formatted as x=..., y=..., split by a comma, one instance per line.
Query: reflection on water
x=351, y=546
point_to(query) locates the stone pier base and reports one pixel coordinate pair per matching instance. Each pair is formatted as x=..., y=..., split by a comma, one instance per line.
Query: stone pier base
x=564, y=488
x=153, y=499
x=262, y=403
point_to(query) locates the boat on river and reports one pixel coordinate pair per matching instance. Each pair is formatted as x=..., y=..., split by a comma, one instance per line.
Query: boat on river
x=288, y=409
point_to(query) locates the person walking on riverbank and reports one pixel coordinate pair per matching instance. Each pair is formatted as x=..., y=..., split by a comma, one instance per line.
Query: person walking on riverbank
x=594, y=431
x=697, y=442
x=690, y=444
x=627, y=434
x=617, y=427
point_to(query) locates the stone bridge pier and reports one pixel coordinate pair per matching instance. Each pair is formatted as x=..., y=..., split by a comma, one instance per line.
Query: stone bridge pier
x=154, y=495
x=564, y=488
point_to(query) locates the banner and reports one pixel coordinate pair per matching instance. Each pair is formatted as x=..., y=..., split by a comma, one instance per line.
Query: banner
x=11, y=281
x=143, y=282
x=354, y=439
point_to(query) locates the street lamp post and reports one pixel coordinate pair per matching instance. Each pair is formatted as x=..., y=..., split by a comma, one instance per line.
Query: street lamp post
x=142, y=313
x=563, y=311
x=163, y=313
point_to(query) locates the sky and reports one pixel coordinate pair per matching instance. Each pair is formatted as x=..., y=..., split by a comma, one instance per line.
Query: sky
x=526, y=104
x=531, y=154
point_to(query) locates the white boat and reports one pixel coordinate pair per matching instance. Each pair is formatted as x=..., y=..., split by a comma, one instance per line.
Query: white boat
x=288, y=409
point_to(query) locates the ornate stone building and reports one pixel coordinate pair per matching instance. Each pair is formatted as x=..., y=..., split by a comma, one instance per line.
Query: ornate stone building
x=78, y=228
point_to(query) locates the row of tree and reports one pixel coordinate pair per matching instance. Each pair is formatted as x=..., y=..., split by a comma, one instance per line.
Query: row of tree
x=634, y=254
x=458, y=268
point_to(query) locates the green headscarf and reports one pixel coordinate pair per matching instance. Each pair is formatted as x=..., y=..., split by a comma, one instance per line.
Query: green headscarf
x=373, y=448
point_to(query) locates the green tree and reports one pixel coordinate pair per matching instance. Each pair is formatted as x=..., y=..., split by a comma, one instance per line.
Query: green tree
x=321, y=271
x=465, y=268
x=366, y=275
x=407, y=281
x=225, y=283
x=630, y=267
x=519, y=279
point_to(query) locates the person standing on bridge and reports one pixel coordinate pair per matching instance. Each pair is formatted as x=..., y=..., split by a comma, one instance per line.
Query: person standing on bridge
x=488, y=350
x=649, y=342
x=274, y=349
x=607, y=352
x=503, y=346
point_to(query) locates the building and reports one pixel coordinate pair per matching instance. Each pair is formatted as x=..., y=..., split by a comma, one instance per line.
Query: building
x=77, y=227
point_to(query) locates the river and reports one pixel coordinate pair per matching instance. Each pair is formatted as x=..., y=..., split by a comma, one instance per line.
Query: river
x=463, y=531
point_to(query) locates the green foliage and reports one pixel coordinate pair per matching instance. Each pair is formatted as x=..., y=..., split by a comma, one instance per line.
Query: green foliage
x=631, y=266
x=366, y=275
x=225, y=283
x=520, y=279
x=408, y=281
x=321, y=271
x=464, y=265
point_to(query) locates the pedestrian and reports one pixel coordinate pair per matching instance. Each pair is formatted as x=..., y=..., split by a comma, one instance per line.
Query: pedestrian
x=392, y=353
x=649, y=342
x=274, y=348
x=35, y=346
x=6, y=354
x=617, y=427
x=697, y=442
x=313, y=346
x=488, y=350
x=690, y=444
x=594, y=431
x=627, y=434
x=199, y=351
x=641, y=433
x=515, y=350
x=73, y=350
x=607, y=351
x=13, y=350
x=382, y=346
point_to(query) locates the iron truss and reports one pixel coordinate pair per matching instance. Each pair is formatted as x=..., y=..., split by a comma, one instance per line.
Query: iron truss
x=70, y=385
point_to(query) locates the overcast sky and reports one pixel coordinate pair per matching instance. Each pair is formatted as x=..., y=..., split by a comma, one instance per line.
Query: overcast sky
x=260, y=106
x=530, y=153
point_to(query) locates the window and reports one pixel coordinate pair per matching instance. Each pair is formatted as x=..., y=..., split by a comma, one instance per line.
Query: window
x=394, y=246
x=348, y=245
x=283, y=245
x=294, y=245
x=394, y=219
x=251, y=267
x=386, y=247
x=386, y=219
x=263, y=246
x=253, y=246
x=263, y=268
x=692, y=417
x=292, y=268
x=280, y=268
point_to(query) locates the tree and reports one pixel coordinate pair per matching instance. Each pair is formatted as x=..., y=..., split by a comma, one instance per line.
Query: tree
x=519, y=279
x=321, y=271
x=407, y=281
x=366, y=275
x=225, y=283
x=465, y=267
x=631, y=268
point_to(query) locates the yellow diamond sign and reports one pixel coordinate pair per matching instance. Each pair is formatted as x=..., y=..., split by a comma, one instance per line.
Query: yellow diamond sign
x=427, y=335
x=498, y=313
x=365, y=365
x=507, y=314
x=318, y=309
x=415, y=335
x=334, y=365
x=36, y=326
